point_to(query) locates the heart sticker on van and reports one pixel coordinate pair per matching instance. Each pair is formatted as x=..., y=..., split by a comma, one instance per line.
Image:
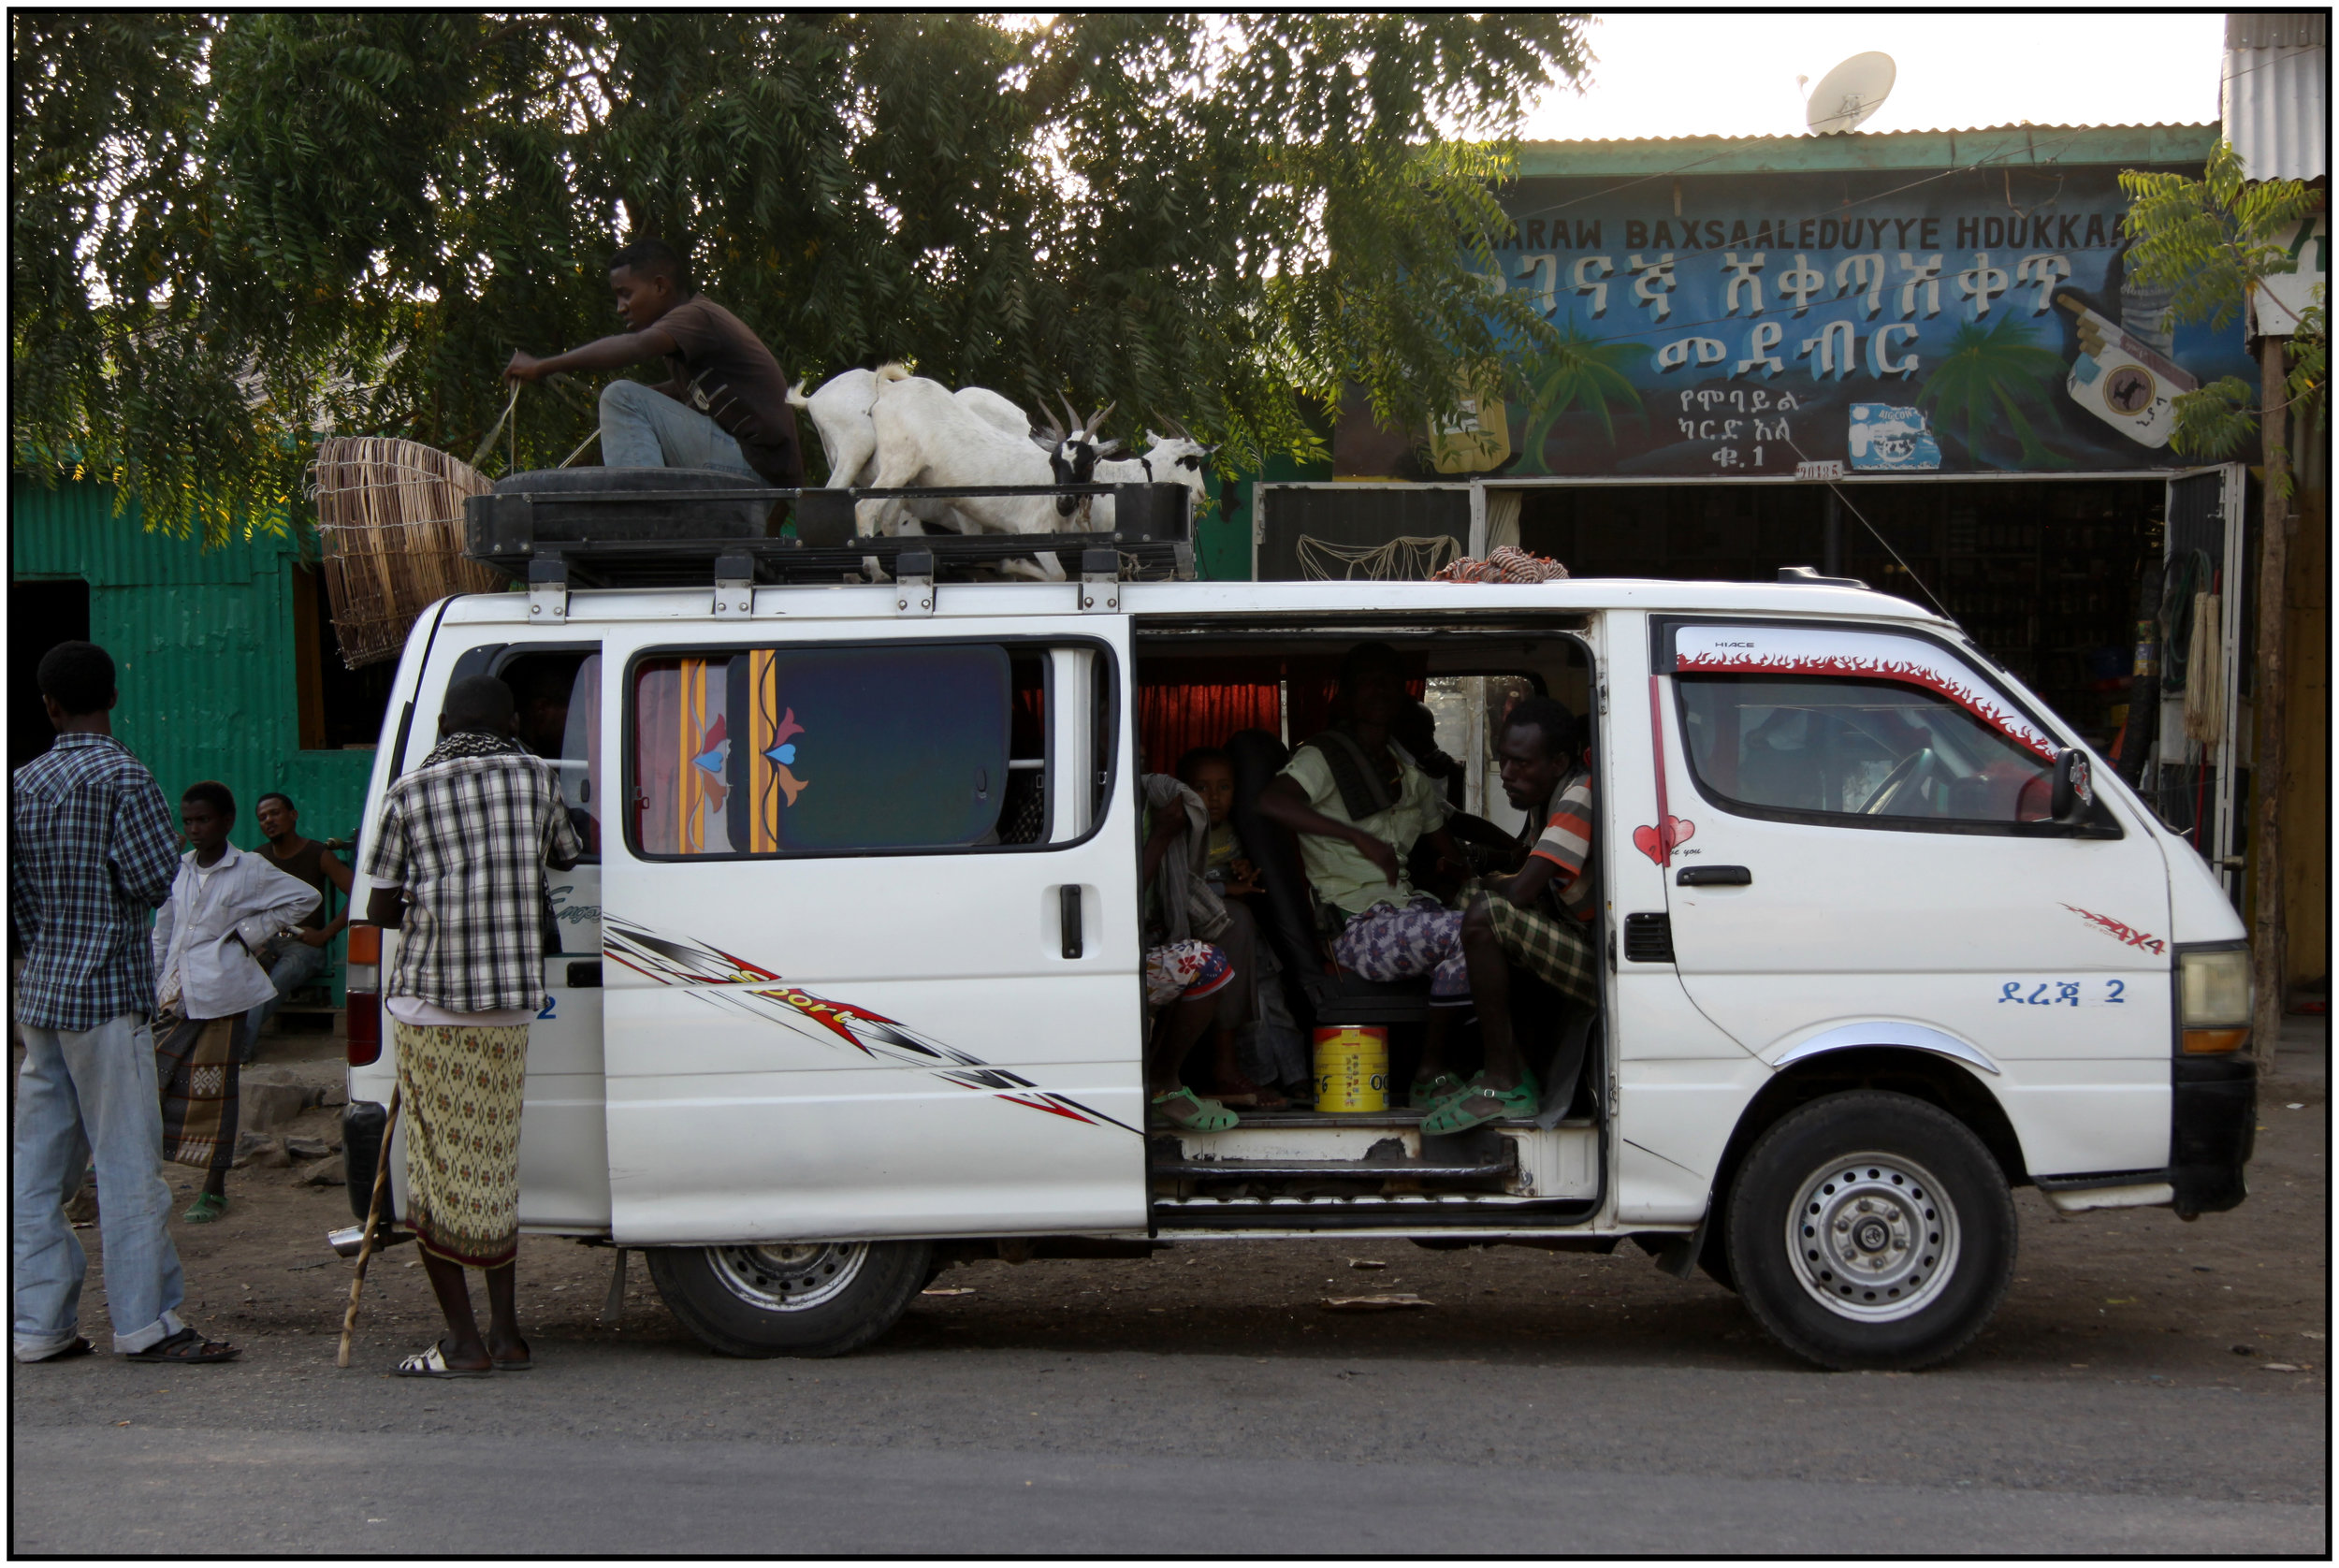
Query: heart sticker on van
x=1677, y=831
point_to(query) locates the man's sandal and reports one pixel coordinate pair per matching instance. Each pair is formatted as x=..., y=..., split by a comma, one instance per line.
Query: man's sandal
x=1184, y=1108
x=432, y=1363
x=1477, y=1105
x=1429, y=1093
x=206, y=1209
x=76, y=1348
x=185, y=1348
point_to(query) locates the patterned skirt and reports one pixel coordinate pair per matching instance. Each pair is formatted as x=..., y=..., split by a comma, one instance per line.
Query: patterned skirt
x=459, y=1093
x=194, y=1064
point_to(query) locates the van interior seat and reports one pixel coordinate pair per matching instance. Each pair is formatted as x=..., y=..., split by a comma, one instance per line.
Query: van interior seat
x=1318, y=992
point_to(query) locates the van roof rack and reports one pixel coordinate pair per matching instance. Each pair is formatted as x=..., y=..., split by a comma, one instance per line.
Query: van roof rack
x=645, y=538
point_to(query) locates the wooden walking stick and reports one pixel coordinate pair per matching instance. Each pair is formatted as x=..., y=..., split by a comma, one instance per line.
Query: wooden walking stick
x=373, y=1218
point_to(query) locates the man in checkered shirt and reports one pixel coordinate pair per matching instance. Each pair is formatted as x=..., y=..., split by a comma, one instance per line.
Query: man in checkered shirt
x=93, y=854
x=457, y=863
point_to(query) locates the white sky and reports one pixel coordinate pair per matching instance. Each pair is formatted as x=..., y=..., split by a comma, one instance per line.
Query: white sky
x=1733, y=73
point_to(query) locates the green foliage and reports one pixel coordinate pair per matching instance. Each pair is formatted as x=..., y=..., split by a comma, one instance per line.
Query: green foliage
x=1986, y=381
x=233, y=232
x=1579, y=371
x=2212, y=240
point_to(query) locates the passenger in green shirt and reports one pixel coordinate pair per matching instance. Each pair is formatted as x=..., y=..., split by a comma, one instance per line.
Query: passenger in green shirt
x=1356, y=803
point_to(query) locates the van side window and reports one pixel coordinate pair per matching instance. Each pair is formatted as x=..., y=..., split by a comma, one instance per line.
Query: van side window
x=811, y=750
x=1847, y=747
x=556, y=700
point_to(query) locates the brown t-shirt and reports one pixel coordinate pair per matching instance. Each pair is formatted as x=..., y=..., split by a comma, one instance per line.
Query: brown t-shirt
x=727, y=373
x=308, y=864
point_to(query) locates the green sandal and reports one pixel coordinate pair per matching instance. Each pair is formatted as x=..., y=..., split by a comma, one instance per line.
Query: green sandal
x=1427, y=1094
x=205, y=1208
x=1186, y=1111
x=1454, y=1115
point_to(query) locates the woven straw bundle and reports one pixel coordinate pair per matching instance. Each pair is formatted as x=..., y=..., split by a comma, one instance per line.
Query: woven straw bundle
x=391, y=516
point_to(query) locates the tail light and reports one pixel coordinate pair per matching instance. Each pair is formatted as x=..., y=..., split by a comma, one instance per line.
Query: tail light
x=364, y=986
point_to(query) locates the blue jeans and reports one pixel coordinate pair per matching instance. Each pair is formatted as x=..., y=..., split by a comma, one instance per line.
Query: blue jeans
x=83, y=1091
x=643, y=427
x=290, y=967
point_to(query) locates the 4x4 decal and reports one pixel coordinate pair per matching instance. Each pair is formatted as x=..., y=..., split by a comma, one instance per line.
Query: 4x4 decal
x=758, y=993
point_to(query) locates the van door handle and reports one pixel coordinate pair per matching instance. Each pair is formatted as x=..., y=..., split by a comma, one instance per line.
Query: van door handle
x=1068, y=903
x=1713, y=877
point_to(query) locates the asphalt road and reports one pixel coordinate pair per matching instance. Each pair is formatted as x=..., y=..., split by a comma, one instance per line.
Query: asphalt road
x=2149, y=1388
x=1017, y=1451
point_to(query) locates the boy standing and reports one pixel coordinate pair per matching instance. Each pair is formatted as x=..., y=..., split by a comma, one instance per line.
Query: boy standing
x=225, y=906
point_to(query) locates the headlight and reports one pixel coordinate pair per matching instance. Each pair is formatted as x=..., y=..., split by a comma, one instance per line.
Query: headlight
x=2212, y=1006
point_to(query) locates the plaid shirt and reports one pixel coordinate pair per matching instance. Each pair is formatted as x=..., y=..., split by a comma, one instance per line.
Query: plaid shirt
x=467, y=838
x=95, y=852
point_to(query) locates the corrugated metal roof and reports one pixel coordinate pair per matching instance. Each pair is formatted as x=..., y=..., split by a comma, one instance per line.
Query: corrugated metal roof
x=203, y=646
x=2276, y=29
x=73, y=531
x=2163, y=144
x=2276, y=97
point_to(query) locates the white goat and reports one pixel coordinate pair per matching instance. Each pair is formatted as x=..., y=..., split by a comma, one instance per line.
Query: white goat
x=839, y=411
x=926, y=437
x=1173, y=459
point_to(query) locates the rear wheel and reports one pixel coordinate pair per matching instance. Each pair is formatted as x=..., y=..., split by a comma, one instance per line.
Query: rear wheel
x=807, y=1299
x=1872, y=1230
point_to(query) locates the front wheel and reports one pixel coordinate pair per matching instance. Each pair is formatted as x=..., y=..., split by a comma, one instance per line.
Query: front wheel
x=807, y=1299
x=1872, y=1230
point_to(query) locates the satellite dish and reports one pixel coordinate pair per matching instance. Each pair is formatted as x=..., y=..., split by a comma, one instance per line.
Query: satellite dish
x=1847, y=94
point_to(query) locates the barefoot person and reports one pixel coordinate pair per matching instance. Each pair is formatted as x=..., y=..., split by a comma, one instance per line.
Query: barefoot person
x=456, y=868
x=225, y=906
x=91, y=855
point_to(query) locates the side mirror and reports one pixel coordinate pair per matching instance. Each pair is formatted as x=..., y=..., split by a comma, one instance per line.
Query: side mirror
x=2073, y=800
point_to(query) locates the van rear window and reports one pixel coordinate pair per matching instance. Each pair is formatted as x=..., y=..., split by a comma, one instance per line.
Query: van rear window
x=760, y=751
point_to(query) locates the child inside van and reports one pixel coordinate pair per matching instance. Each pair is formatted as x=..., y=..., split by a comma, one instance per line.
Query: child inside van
x=1195, y=950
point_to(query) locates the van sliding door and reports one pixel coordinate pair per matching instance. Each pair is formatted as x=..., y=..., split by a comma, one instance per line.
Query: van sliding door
x=870, y=933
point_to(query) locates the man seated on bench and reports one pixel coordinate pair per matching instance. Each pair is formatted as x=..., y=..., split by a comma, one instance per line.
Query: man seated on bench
x=1538, y=918
x=1356, y=803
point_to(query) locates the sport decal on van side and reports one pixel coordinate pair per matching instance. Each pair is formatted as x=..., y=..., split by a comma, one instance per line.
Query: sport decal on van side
x=2120, y=929
x=1769, y=651
x=679, y=961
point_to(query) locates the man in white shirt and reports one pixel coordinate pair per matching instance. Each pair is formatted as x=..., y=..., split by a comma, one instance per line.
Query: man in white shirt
x=225, y=904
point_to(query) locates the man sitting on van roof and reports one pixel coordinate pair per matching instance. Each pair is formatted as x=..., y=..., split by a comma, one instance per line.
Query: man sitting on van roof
x=1356, y=803
x=725, y=406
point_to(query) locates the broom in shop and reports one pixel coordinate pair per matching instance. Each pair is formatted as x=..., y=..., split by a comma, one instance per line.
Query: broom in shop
x=374, y=1221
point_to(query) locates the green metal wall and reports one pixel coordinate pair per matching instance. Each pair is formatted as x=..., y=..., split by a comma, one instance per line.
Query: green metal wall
x=204, y=647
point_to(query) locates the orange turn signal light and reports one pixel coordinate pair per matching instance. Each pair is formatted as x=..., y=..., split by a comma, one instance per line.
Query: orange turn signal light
x=2215, y=1042
x=365, y=944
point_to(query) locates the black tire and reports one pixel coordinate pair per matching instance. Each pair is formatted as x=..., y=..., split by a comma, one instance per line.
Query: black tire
x=814, y=1300
x=1901, y=1218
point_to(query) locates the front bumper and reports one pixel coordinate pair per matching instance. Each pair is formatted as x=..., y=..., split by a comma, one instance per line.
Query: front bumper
x=2213, y=1129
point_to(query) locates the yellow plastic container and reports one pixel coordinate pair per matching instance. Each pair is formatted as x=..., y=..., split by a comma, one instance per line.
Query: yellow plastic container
x=1352, y=1069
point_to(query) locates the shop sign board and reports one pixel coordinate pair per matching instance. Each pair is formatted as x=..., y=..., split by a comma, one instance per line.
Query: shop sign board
x=1891, y=321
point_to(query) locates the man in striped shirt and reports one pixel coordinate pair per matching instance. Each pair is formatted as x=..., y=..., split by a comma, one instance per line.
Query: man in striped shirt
x=1539, y=917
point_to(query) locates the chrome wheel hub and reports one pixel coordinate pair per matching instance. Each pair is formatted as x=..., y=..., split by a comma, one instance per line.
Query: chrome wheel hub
x=1872, y=1238
x=788, y=1277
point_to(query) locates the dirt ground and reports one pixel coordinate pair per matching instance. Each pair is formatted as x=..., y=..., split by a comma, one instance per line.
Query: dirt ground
x=2131, y=1295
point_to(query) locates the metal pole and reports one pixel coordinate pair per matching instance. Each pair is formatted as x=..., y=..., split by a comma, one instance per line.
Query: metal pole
x=1831, y=552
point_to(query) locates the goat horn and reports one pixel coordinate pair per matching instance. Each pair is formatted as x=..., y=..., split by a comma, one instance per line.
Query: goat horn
x=1045, y=426
x=1177, y=429
x=1096, y=420
x=1071, y=419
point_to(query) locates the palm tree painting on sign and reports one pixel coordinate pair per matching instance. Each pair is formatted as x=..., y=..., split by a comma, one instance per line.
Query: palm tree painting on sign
x=1581, y=373
x=1985, y=388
